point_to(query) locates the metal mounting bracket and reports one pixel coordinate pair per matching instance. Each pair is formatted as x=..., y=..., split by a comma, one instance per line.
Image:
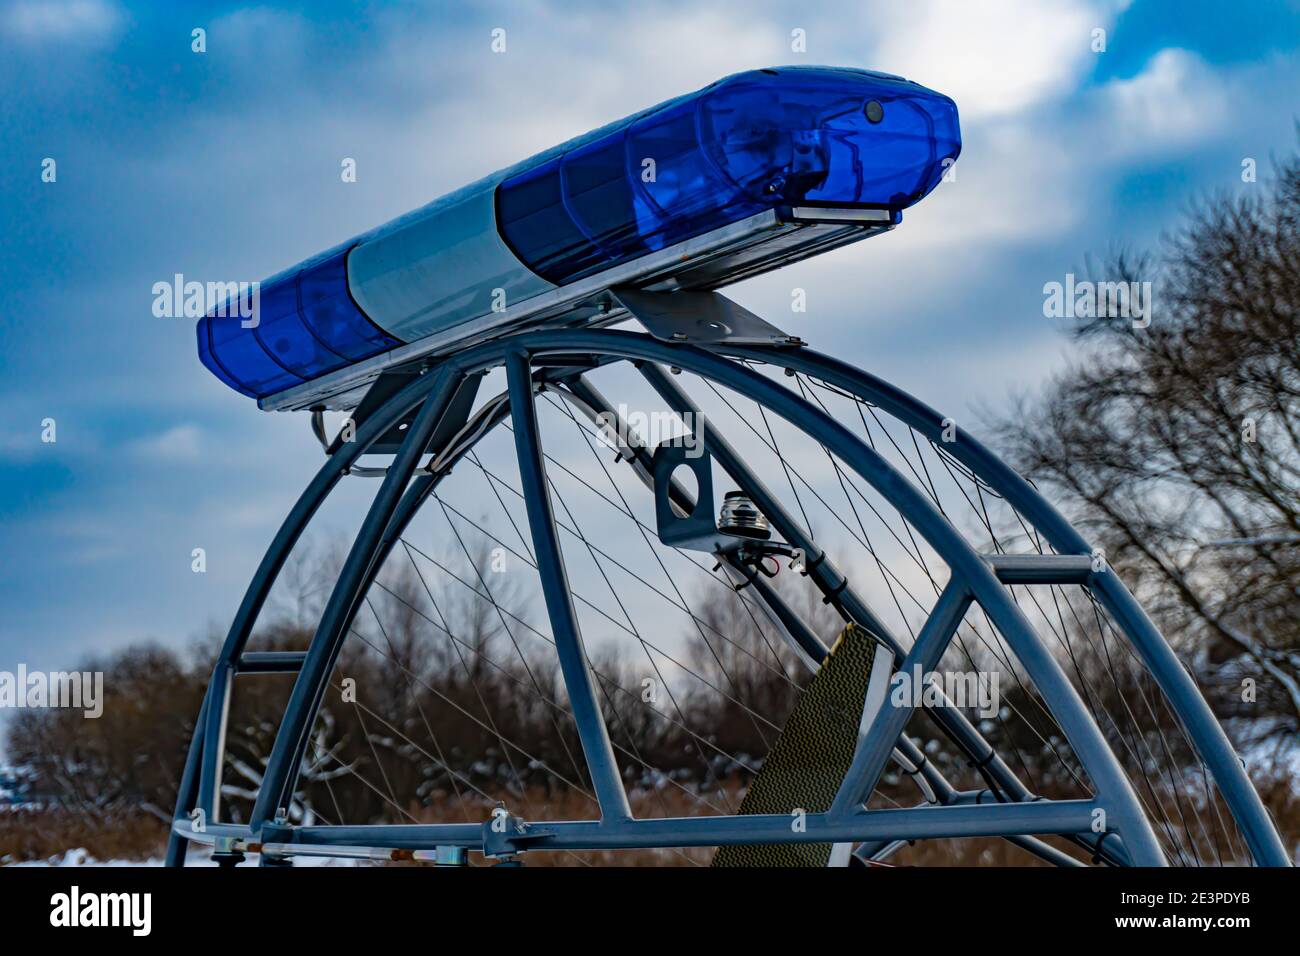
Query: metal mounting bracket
x=700, y=318
x=697, y=530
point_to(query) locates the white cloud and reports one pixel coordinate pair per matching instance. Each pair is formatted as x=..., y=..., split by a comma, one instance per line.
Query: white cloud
x=259, y=39
x=1015, y=181
x=87, y=21
x=539, y=94
x=1176, y=99
x=994, y=58
x=181, y=443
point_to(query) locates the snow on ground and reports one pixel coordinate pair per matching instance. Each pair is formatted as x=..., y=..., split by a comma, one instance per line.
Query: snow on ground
x=197, y=857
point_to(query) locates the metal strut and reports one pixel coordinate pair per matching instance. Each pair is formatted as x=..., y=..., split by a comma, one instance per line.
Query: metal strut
x=559, y=601
x=309, y=689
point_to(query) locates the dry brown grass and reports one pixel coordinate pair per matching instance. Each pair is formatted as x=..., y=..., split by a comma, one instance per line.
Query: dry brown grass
x=27, y=835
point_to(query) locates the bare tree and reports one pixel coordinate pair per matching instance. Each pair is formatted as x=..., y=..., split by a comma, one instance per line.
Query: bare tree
x=1179, y=445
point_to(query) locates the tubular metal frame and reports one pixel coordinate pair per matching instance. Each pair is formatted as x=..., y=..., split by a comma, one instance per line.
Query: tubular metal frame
x=1015, y=813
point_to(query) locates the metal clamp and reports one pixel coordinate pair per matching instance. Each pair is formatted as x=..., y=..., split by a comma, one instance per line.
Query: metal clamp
x=505, y=835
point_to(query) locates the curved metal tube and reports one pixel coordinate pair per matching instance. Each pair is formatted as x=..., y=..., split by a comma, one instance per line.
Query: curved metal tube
x=1175, y=683
x=290, y=531
x=309, y=688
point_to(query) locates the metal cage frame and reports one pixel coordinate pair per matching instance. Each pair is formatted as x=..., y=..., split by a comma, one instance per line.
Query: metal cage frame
x=556, y=360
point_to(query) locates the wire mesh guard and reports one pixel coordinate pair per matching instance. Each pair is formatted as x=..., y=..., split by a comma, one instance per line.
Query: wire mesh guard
x=447, y=700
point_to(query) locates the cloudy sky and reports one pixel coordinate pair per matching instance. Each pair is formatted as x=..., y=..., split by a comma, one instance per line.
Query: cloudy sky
x=225, y=165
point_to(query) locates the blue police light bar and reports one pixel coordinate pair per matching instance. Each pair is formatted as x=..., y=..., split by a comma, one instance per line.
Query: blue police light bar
x=755, y=171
